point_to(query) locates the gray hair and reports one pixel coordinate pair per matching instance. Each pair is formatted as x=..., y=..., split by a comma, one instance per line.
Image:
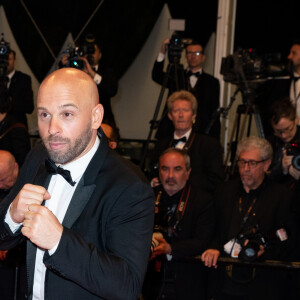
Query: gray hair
x=254, y=142
x=183, y=153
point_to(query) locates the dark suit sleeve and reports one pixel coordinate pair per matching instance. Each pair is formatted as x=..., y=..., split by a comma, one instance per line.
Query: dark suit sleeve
x=22, y=95
x=118, y=272
x=109, y=84
x=157, y=72
x=201, y=228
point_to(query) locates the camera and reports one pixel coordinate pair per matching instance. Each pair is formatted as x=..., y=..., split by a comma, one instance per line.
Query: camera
x=74, y=61
x=86, y=49
x=294, y=150
x=251, y=65
x=250, y=249
x=4, y=54
x=176, y=45
x=251, y=238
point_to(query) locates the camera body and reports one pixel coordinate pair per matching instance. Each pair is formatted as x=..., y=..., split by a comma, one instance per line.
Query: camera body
x=4, y=54
x=253, y=65
x=255, y=239
x=175, y=47
x=293, y=149
x=87, y=49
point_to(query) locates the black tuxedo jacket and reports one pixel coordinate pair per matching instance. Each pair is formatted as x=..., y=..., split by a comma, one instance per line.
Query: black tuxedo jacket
x=207, y=93
x=107, y=89
x=22, y=96
x=104, y=248
x=206, y=159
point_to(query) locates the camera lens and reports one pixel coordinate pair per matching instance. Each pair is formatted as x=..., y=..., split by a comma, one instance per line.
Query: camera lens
x=296, y=162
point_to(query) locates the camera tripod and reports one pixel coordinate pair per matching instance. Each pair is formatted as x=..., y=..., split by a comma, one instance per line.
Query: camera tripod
x=239, y=126
x=175, y=70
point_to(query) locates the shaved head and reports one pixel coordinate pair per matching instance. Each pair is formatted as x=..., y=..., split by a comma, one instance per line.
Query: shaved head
x=9, y=170
x=69, y=114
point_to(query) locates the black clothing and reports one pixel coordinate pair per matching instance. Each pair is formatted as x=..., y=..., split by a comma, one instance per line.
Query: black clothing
x=265, y=95
x=107, y=89
x=270, y=211
x=276, y=166
x=190, y=237
x=16, y=140
x=104, y=247
x=207, y=93
x=206, y=159
x=22, y=96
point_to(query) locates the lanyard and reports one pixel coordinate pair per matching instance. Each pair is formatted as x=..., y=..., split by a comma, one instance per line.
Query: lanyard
x=245, y=218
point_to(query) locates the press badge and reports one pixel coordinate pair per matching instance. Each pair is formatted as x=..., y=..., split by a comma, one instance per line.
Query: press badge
x=233, y=248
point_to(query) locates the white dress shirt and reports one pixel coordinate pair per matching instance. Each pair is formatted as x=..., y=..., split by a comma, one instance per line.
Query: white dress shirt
x=181, y=144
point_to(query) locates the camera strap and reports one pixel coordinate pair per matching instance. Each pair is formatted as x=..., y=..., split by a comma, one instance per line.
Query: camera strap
x=181, y=207
x=246, y=217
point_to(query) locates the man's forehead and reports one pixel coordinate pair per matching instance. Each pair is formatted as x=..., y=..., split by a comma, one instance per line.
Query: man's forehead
x=172, y=160
x=254, y=152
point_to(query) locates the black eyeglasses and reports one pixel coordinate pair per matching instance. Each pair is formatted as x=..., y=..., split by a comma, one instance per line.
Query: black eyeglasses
x=252, y=164
x=197, y=53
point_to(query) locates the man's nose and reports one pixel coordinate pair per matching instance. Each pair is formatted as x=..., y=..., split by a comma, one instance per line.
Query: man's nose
x=54, y=126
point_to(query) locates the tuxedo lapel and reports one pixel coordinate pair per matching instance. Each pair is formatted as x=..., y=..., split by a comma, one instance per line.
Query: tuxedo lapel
x=79, y=200
x=86, y=185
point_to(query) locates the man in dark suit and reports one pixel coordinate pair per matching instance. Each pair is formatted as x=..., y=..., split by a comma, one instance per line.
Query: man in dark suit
x=250, y=202
x=184, y=219
x=87, y=216
x=205, y=87
x=20, y=90
x=205, y=152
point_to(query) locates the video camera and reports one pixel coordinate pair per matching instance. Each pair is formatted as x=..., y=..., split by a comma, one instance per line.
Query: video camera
x=293, y=149
x=86, y=49
x=175, y=47
x=253, y=65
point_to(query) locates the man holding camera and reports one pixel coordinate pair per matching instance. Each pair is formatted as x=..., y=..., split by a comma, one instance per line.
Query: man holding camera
x=251, y=203
x=104, y=77
x=205, y=87
x=285, y=142
x=184, y=218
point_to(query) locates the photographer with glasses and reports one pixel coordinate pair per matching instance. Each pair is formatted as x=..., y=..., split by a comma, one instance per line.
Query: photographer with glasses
x=285, y=142
x=252, y=201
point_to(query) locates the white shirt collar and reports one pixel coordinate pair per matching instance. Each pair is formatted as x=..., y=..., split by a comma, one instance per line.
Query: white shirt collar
x=187, y=135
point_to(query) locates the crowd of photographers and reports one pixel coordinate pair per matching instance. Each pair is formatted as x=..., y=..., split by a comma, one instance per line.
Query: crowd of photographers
x=253, y=217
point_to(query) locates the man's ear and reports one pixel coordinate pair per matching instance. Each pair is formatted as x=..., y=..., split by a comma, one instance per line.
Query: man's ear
x=170, y=116
x=97, y=116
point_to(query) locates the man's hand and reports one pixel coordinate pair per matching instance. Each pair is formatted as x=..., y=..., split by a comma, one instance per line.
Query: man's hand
x=3, y=254
x=41, y=227
x=210, y=257
x=29, y=194
x=163, y=248
x=286, y=162
x=164, y=46
x=87, y=67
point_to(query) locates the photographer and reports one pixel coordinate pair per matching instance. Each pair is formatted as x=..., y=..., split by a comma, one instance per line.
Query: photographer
x=286, y=132
x=205, y=88
x=90, y=53
x=250, y=202
x=184, y=218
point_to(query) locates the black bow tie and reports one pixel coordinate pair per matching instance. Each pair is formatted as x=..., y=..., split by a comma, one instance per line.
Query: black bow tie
x=52, y=168
x=190, y=73
x=295, y=79
x=176, y=141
